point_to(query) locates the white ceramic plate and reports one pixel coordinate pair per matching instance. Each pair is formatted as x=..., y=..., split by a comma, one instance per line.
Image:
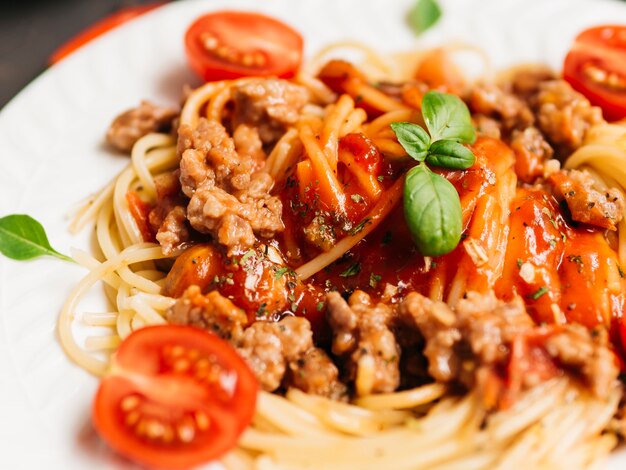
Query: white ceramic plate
x=51, y=156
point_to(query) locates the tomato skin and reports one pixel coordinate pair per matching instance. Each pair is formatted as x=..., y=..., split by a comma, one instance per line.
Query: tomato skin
x=140, y=211
x=197, y=265
x=100, y=27
x=242, y=44
x=156, y=382
x=600, y=52
x=365, y=152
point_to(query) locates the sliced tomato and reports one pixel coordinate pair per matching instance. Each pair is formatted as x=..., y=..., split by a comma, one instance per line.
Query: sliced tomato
x=140, y=210
x=596, y=67
x=176, y=396
x=112, y=21
x=199, y=265
x=233, y=44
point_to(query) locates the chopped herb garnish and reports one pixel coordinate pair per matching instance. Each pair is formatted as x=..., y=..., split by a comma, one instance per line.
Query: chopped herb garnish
x=552, y=243
x=320, y=306
x=519, y=263
x=380, y=178
x=620, y=271
x=352, y=270
x=280, y=272
x=539, y=292
x=548, y=213
x=357, y=198
x=374, y=280
x=262, y=310
x=575, y=259
x=247, y=255
x=359, y=226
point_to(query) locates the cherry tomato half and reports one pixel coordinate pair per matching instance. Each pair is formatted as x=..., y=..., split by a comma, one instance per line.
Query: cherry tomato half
x=176, y=396
x=596, y=67
x=233, y=44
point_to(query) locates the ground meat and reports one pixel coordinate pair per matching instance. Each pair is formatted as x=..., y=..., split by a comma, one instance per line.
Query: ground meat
x=564, y=115
x=487, y=126
x=479, y=328
x=234, y=219
x=173, y=233
x=361, y=335
x=261, y=347
x=269, y=105
x=586, y=203
x=229, y=198
x=168, y=217
x=132, y=125
x=526, y=82
x=492, y=101
x=211, y=312
x=587, y=354
x=531, y=152
x=273, y=348
x=320, y=233
x=167, y=187
x=315, y=373
x=208, y=155
x=472, y=345
x=248, y=143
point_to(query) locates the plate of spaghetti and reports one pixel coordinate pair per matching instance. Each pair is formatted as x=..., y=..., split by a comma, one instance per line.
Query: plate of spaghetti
x=303, y=236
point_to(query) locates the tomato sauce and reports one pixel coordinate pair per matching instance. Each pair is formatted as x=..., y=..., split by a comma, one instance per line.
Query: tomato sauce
x=563, y=271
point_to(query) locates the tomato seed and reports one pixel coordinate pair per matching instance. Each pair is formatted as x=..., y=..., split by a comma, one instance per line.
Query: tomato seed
x=209, y=42
x=185, y=432
x=203, y=364
x=130, y=402
x=177, y=351
x=181, y=365
x=193, y=354
x=132, y=418
x=168, y=434
x=154, y=429
x=140, y=429
x=202, y=420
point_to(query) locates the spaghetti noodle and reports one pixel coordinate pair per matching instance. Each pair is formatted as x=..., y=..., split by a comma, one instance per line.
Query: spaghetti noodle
x=555, y=424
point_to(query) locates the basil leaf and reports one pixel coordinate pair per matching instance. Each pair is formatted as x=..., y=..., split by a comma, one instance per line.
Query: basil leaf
x=413, y=139
x=450, y=154
x=432, y=210
x=447, y=118
x=423, y=15
x=23, y=238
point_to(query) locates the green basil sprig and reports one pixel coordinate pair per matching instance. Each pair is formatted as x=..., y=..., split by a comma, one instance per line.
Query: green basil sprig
x=423, y=15
x=432, y=207
x=23, y=238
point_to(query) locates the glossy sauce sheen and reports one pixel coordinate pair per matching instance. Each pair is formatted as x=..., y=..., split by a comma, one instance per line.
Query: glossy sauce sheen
x=574, y=267
x=563, y=271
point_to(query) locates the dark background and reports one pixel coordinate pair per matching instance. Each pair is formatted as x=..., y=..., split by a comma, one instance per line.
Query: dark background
x=31, y=30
